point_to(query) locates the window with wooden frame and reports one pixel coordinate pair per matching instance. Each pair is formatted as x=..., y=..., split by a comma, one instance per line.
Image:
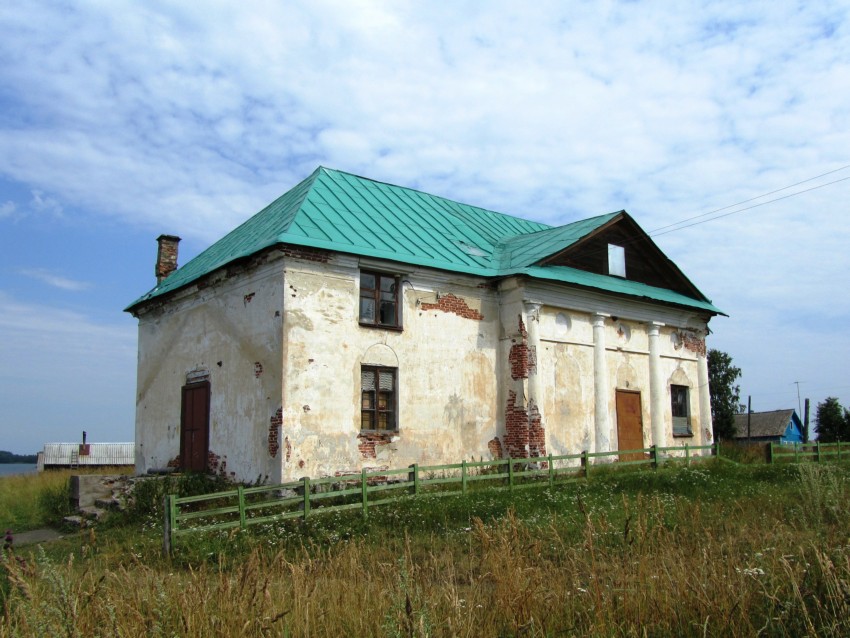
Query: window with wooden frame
x=379, y=300
x=378, y=399
x=681, y=410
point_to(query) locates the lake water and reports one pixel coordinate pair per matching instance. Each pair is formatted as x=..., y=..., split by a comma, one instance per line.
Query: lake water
x=17, y=468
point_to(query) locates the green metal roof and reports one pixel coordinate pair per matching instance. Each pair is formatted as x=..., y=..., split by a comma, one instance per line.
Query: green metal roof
x=345, y=213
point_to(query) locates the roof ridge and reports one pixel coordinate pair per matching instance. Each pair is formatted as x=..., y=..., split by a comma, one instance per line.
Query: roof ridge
x=432, y=196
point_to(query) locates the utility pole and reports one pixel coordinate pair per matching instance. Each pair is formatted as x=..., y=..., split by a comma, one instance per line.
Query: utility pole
x=799, y=407
x=749, y=413
x=806, y=424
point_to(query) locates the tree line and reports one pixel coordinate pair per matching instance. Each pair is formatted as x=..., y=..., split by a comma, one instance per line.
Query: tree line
x=9, y=457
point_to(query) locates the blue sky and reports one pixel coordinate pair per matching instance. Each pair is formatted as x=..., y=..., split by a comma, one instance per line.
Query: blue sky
x=120, y=121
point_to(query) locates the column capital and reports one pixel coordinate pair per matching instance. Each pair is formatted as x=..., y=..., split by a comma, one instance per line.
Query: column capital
x=532, y=308
x=654, y=327
x=599, y=318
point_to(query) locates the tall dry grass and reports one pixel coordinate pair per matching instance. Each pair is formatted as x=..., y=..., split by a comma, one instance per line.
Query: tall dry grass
x=25, y=499
x=625, y=564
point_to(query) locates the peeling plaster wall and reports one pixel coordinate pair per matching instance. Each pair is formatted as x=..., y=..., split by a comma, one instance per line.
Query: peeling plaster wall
x=445, y=356
x=565, y=362
x=230, y=329
x=482, y=371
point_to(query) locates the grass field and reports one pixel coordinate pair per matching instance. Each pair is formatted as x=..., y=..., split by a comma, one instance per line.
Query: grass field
x=715, y=550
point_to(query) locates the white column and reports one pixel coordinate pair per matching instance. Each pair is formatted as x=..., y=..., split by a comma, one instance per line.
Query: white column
x=601, y=421
x=532, y=315
x=656, y=387
x=704, y=399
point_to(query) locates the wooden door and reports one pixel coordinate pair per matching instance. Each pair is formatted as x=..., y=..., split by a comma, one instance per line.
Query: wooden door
x=629, y=424
x=195, y=427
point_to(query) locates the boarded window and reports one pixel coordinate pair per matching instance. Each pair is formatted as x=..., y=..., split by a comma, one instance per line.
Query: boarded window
x=379, y=300
x=681, y=410
x=378, y=398
x=616, y=260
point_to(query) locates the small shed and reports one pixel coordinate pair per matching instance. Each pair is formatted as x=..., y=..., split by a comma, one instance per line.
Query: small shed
x=74, y=455
x=776, y=426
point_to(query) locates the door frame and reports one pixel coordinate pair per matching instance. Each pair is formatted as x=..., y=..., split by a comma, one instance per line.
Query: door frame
x=636, y=456
x=185, y=456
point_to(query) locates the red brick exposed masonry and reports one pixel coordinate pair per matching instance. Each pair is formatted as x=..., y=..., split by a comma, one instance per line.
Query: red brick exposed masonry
x=275, y=424
x=456, y=305
x=524, y=432
x=523, y=360
x=216, y=463
x=308, y=254
x=522, y=357
x=166, y=256
x=536, y=433
x=258, y=369
x=369, y=441
x=693, y=343
x=495, y=447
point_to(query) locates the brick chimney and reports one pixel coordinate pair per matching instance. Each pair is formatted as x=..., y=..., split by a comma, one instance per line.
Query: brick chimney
x=166, y=256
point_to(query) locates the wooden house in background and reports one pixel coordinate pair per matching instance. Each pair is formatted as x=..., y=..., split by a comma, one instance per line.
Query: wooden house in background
x=777, y=426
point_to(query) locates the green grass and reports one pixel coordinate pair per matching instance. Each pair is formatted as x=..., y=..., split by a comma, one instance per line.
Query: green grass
x=716, y=549
x=29, y=501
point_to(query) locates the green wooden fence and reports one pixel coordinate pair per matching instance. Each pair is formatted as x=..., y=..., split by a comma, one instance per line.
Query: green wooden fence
x=245, y=506
x=802, y=452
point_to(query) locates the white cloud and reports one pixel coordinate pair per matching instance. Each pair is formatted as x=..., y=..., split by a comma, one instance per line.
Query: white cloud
x=52, y=279
x=7, y=209
x=42, y=204
x=189, y=118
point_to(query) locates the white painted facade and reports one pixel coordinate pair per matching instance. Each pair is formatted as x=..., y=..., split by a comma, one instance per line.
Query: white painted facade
x=281, y=345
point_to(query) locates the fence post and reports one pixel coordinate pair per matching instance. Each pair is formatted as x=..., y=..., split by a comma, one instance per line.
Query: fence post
x=687, y=456
x=585, y=465
x=770, y=452
x=717, y=449
x=364, y=487
x=241, y=494
x=167, y=524
x=413, y=477
x=510, y=473
x=551, y=472
x=306, y=481
x=839, y=450
x=796, y=453
x=463, y=477
x=653, y=457
x=817, y=452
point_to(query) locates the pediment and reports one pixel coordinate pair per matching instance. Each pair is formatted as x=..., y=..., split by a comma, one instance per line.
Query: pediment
x=644, y=261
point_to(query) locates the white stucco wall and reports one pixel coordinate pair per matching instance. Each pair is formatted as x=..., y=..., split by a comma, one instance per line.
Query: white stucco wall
x=232, y=331
x=446, y=367
x=283, y=349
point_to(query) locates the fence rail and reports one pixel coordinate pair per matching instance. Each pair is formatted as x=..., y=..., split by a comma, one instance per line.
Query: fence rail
x=801, y=452
x=246, y=506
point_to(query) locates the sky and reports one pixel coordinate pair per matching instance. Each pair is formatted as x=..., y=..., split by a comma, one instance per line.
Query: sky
x=120, y=121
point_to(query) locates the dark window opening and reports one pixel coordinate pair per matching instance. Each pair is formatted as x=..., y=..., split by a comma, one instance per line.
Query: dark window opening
x=681, y=410
x=379, y=300
x=378, y=399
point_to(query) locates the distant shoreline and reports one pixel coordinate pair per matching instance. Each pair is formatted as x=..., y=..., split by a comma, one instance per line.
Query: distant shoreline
x=7, y=458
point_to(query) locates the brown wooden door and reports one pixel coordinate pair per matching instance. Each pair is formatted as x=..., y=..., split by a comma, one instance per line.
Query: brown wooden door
x=629, y=424
x=195, y=427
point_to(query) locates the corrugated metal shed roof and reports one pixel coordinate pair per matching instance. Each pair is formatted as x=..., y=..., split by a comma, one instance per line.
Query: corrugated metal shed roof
x=342, y=212
x=99, y=454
